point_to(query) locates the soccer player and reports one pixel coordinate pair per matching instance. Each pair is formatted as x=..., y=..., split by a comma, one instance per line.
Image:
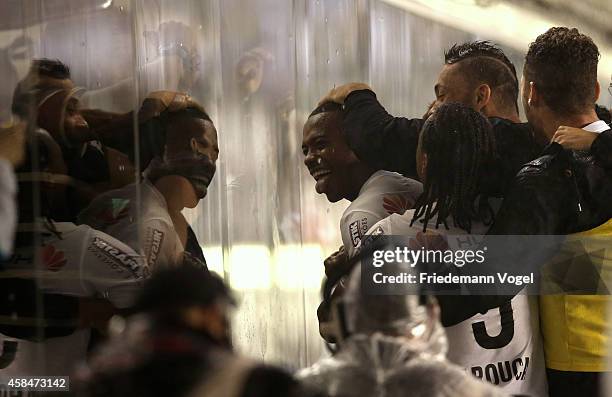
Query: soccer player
x=565, y=192
x=177, y=179
x=76, y=261
x=501, y=345
x=477, y=74
x=339, y=174
x=48, y=96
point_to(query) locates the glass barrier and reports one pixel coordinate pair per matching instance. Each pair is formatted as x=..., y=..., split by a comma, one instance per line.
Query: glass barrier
x=104, y=102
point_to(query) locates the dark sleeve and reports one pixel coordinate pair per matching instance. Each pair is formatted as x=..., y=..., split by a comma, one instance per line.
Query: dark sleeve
x=527, y=232
x=540, y=201
x=57, y=315
x=194, y=248
x=601, y=149
x=378, y=138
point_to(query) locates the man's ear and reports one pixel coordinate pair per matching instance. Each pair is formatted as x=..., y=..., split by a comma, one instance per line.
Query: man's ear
x=483, y=96
x=193, y=144
x=597, y=90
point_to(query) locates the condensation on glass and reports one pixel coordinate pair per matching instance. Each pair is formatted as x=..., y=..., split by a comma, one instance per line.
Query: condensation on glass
x=258, y=67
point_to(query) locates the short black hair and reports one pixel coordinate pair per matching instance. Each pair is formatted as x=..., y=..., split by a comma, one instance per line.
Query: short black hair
x=27, y=92
x=484, y=62
x=53, y=68
x=563, y=64
x=326, y=107
x=460, y=147
x=189, y=112
x=154, y=133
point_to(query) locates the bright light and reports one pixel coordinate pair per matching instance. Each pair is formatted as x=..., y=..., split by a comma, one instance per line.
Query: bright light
x=214, y=259
x=249, y=267
x=290, y=267
x=107, y=4
x=298, y=267
x=503, y=23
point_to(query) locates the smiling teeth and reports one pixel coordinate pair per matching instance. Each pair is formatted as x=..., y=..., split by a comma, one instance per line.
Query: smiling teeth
x=320, y=173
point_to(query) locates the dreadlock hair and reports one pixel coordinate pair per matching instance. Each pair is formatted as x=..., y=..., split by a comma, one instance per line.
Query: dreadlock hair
x=460, y=146
x=484, y=62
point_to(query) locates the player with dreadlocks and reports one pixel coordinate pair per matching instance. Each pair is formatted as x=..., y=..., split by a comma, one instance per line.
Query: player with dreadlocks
x=451, y=187
x=455, y=150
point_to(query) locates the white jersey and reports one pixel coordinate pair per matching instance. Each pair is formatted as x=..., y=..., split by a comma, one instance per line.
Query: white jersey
x=502, y=346
x=383, y=194
x=119, y=214
x=82, y=263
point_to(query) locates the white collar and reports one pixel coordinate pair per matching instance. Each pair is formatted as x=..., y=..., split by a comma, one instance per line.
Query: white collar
x=597, y=126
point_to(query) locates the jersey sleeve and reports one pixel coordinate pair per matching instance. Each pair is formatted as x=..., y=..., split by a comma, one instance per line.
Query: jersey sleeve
x=378, y=138
x=112, y=270
x=353, y=227
x=161, y=245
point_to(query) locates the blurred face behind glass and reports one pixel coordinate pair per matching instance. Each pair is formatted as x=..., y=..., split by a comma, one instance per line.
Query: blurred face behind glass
x=328, y=157
x=195, y=157
x=75, y=126
x=213, y=319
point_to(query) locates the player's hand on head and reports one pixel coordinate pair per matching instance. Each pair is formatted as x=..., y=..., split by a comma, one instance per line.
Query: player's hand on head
x=574, y=138
x=339, y=94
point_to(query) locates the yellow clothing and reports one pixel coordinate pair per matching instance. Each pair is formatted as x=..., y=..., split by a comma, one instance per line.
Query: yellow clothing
x=574, y=327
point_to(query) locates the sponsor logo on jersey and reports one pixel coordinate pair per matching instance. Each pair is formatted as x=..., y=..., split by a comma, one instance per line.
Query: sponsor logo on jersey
x=157, y=237
x=502, y=372
x=116, y=210
x=116, y=255
x=52, y=258
x=357, y=229
x=396, y=204
x=369, y=239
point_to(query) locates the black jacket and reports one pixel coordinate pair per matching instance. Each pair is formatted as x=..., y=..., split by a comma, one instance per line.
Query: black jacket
x=561, y=192
x=387, y=142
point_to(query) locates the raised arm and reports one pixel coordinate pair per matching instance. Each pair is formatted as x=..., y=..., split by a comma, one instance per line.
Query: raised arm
x=377, y=137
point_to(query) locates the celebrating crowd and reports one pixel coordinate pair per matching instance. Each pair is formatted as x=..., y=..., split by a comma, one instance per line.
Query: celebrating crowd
x=98, y=251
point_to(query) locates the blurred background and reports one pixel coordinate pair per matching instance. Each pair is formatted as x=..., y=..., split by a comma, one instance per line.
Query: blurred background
x=259, y=67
